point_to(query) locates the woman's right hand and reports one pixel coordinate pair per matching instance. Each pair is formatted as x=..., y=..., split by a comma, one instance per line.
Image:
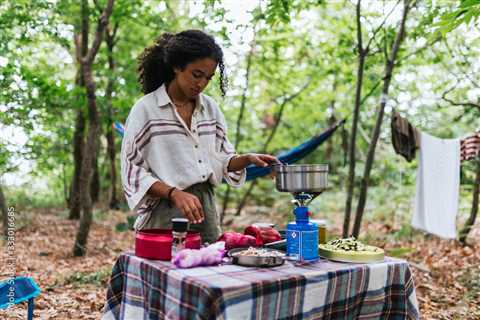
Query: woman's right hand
x=189, y=205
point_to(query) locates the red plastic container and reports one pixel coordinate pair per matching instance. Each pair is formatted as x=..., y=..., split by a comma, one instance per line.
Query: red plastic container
x=156, y=244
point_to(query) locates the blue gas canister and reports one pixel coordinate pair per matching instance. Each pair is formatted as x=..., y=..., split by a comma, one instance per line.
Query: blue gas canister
x=302, y=237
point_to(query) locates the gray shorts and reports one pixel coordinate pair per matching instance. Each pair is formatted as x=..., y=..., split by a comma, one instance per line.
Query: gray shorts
x=210, y=227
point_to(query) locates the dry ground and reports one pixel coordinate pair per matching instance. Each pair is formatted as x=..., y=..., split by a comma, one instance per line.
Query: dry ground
x=447, y=275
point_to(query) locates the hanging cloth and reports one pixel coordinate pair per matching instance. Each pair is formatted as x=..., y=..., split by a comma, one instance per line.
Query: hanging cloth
x=405, y=138
x=470, y=147
x=438, y=186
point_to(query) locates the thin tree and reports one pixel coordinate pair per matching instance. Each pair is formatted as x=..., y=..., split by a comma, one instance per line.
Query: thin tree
x=110, y=35
x=79, y=131
x=86, y=61
x=363, y=51
x=389, y=66
x=243, y=102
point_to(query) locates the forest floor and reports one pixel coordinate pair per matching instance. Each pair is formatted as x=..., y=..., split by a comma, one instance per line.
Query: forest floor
x=447, y=275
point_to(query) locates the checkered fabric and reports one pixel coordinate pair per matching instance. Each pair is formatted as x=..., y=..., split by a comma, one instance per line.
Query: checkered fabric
x=147, y=289
x=470, y=147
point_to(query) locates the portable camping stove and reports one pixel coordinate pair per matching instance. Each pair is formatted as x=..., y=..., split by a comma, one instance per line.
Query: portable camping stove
x=305, y=183
x=302, y=235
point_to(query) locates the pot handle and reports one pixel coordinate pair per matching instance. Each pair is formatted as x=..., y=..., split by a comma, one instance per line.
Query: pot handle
x=274, y=166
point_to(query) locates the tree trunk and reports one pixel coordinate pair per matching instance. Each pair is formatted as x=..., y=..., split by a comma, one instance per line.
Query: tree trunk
x=79, y=248
x=238, y=137
x=3, y=208
x=111, y=151
x=356, y=115
x=87, y=166
x=66, y=196
x=113, y=203
x=473, y=212
x=390, y=64
x=78, y=145
x=95, y=182
x=79, y=133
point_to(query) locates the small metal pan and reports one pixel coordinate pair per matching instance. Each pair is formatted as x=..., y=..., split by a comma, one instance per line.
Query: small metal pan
x=253, y=261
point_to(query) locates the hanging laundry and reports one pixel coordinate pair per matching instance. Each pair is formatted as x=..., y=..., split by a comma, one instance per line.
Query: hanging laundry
x=405, y=137
x=470, y=147
x=438, y=186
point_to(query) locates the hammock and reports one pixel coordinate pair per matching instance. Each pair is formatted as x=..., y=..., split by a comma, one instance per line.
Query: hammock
x=291, y=156
x=295, y=154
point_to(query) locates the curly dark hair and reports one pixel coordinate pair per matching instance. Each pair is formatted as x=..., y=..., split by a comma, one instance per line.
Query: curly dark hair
x=156, y=63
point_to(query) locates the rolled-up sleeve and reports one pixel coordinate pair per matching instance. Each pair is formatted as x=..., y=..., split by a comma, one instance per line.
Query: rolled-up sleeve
x=225, y=152
x=137, y=177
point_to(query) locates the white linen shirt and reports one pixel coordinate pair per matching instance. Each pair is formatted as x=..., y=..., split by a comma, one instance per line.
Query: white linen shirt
x=158, y=146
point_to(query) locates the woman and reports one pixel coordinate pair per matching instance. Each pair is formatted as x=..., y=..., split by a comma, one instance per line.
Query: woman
x=175, y=147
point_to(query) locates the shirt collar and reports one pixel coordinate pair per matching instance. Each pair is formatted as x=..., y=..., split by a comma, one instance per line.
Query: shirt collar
x=163, y=100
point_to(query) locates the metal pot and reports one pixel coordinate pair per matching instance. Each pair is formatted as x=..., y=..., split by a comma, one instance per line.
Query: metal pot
x=308, y=178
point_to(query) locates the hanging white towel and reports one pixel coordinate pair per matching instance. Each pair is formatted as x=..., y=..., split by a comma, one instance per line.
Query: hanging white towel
x=438, y=186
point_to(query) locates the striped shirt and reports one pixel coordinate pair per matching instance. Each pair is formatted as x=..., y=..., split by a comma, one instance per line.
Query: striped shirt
x=159, y=146
x=470, y=147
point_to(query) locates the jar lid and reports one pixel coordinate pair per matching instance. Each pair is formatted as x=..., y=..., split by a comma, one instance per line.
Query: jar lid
x=180, y=224
x=319, y=222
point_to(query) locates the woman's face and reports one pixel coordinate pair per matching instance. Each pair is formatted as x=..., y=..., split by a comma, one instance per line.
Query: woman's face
x=195, y=76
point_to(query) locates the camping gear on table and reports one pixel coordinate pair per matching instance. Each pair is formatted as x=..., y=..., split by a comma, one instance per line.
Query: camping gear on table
x=257, y=257
x=145, y=289
x=179, y=235
x=305, y=182
x=322, y=230
x=156, y=244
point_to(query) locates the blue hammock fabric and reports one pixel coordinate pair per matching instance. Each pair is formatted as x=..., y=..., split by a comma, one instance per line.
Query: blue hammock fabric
x=295, y=154
x=288, y=157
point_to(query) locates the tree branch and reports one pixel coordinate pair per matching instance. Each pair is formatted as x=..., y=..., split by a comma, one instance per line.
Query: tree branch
x=375, y=86
x=367, y=47
x=460, y=104
x=427, y=45
x=465, y=60
x=85, y=29
x=359, y=27
x=101, y=25
x=97, y=6
x=280, y=112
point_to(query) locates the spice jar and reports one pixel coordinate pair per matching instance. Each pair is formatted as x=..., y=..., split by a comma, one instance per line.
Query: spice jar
x=322, y=230
x=179, y=235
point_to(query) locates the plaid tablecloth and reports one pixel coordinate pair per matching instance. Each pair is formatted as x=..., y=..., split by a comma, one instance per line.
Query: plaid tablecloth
x=147, y=289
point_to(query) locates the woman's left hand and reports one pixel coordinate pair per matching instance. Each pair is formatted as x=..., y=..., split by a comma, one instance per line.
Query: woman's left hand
x=262, y=160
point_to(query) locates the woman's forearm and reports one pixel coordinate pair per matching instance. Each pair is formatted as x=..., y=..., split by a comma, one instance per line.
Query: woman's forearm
x=159, y=190
x=239, y=162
